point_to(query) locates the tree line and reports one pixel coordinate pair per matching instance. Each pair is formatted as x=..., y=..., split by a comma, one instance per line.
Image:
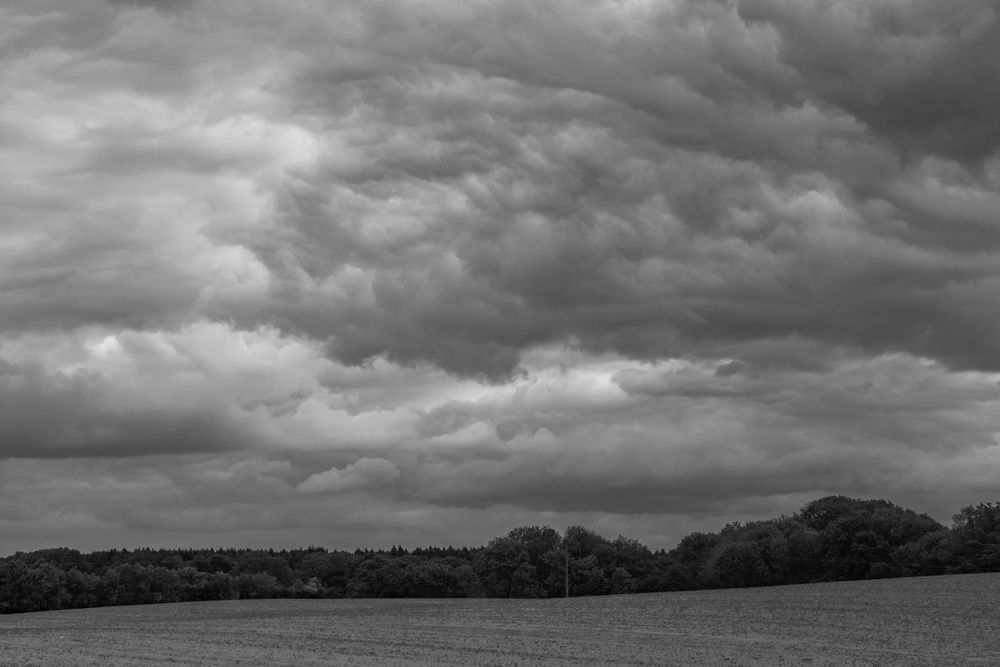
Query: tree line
x=831, y=539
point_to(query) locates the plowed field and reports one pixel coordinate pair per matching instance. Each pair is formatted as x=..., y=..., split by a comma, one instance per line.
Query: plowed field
x=928, y=621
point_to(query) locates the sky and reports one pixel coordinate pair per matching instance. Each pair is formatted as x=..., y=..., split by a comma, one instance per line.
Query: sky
x=417, y=272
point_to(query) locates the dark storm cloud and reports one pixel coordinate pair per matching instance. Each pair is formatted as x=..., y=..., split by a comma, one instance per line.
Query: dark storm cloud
x=687, y=436
x=429, y=268
x=58, y=415
x=652, y=180
x=545, y=179
x=916, y=72
x=81, y=267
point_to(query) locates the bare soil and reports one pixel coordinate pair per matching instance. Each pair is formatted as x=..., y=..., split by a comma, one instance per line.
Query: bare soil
x=951, y=620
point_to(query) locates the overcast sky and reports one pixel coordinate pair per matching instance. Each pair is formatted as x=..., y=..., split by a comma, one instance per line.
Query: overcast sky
x=420, y=271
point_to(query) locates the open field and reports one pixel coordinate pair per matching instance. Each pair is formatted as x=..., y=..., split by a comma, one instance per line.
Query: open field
x=926, y=621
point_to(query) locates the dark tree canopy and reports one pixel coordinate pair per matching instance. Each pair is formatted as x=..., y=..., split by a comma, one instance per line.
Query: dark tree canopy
x=832, y=538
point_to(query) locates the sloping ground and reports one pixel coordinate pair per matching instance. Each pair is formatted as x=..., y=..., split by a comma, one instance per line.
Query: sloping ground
x=926, y=621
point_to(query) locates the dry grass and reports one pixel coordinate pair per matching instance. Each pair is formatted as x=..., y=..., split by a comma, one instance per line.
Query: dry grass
x=927, y=621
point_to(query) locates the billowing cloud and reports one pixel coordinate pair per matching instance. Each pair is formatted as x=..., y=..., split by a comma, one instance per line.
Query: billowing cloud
x=359, y=475
x=593, y=179
x=912, y=71
x=435, y=264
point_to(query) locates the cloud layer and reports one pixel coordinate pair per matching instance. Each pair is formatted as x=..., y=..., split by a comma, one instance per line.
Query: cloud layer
x=437, y=268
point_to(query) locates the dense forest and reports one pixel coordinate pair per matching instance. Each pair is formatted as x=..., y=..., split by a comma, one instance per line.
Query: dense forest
x=830, y=539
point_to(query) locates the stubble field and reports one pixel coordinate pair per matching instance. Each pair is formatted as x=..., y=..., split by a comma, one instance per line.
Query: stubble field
x=927, y=621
